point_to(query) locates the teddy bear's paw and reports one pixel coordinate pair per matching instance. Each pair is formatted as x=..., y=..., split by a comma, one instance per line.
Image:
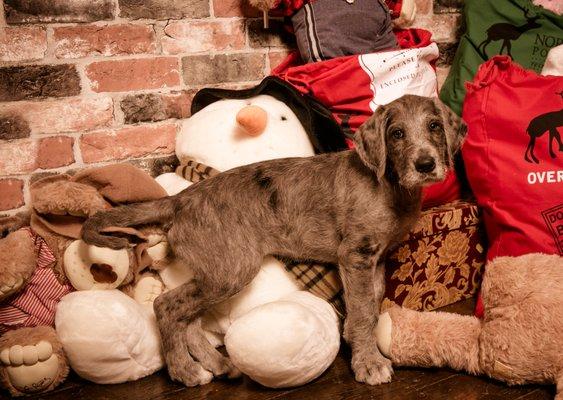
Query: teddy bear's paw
x=30, y=368
x=11, y=286
x=147, y=289
x=190, y=374
x=372, y=368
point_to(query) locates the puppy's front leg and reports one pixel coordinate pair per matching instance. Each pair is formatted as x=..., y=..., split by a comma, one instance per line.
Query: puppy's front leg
x=363, y=278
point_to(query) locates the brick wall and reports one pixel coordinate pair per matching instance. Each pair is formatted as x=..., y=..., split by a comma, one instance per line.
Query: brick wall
x=91, y=82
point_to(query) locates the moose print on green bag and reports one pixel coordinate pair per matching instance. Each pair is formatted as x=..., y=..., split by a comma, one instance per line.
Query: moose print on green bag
x=516, y=28
x=507, y=33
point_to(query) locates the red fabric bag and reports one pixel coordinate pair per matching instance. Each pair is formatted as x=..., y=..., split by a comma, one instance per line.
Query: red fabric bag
x=514, y=157
x=353, y=87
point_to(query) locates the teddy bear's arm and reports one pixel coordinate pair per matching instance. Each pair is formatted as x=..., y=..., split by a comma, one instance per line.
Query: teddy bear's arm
x=32, y=360
x=16, y=270
x=430, y=339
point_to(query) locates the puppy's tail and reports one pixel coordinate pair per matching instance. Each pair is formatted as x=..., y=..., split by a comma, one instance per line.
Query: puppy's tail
x=151, y=212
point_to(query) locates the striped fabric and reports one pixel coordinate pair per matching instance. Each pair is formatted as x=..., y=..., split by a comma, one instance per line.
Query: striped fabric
x=35, y=305
x=194, y=171
x=316, y=53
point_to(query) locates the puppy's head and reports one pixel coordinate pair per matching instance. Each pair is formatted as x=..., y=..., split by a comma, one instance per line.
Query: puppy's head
x=412, y=139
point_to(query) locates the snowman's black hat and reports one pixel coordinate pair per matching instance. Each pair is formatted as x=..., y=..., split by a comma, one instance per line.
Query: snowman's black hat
x=323, y=130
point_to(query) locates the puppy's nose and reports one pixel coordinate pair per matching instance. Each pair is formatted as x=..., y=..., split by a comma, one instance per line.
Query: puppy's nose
x=425, y=164
x=252, y=119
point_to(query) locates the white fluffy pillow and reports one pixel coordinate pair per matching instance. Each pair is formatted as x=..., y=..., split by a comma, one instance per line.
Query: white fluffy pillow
x=108, y=337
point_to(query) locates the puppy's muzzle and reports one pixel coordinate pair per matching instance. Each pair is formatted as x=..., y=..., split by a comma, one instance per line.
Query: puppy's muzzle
x=425, y=164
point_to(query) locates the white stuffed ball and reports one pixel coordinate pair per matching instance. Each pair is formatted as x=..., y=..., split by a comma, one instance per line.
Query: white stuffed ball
x=285, y=343
x=108, y=337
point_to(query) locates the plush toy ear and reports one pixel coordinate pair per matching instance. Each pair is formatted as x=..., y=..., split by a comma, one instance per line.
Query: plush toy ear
x=454, y=127
x=370, y=142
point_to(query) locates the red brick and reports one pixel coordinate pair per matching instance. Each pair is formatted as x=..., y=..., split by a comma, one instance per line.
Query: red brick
x=163, y=9
x=18, y=156
x=22, y=43
x=234, y=8
x=276, y=57
x=423, y=7
x=441, y=75
x=130, y=142
x=12, y=126
x=223, y=68
x=448, y=6
x=197, y=36
x=33, y=11
x=32, y=81
x=156, y=106
x=11, y=194
x=443, y=26
x=447, y=54
x=55, y=152
x=136, y=74
x=110, y=40
x=65, y=115
x=276, y=35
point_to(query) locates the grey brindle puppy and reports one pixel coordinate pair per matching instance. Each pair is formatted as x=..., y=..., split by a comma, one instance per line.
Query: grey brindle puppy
x=346, y=208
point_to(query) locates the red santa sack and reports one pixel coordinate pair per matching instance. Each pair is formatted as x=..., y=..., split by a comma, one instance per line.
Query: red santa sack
x=513, y=155
x=353, y=87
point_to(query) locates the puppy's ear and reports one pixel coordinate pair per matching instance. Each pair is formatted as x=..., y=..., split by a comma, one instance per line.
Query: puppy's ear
x=369, y=140
x=454, y=127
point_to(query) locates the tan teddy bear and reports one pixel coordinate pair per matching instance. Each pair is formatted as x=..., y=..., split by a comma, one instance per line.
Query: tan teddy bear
x=519, y=341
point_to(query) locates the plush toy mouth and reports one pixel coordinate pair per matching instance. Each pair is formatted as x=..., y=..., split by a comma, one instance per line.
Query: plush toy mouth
x=103, y=273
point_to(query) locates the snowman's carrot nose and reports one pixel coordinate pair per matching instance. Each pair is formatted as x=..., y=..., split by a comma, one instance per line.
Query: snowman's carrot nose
x=252, y=119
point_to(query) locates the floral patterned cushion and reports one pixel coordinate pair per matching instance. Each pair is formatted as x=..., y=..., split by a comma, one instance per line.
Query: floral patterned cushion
x=441, y=260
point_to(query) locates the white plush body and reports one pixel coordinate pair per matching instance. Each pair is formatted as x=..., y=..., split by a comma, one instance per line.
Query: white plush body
x=107, y=336
x=275, y=333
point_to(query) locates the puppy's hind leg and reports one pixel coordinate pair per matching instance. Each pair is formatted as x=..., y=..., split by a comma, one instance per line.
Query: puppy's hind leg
x=171, y=309
x=200, y=348
x=178, y=313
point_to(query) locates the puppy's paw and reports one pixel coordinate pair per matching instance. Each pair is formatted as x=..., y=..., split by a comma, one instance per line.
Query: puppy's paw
x=373, y=369
x=225, y=368
x=191, y=374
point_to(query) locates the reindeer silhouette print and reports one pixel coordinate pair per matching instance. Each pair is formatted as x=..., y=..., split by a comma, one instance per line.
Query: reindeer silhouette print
x=507, y=32
x=538, y=126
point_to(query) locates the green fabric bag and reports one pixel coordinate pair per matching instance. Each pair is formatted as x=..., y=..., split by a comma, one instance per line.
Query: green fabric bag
x=516, y=28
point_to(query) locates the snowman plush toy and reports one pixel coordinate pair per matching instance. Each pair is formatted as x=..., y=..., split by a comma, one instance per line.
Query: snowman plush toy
x=274, y=332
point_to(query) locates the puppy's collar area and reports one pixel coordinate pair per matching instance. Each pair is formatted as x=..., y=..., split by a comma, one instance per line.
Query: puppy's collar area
x=194, y=171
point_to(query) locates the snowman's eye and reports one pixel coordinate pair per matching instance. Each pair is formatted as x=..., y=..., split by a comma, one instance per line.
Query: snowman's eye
x=283, y=118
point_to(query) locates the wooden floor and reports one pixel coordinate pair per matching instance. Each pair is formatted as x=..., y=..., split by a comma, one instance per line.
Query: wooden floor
x=336, y=383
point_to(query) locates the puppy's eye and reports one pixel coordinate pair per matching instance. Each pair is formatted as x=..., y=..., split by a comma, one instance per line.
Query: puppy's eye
x=283, y=118
x=398, y=133
x=434, y=125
